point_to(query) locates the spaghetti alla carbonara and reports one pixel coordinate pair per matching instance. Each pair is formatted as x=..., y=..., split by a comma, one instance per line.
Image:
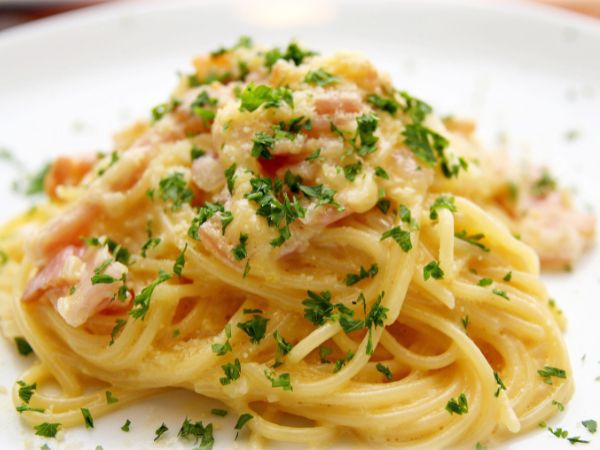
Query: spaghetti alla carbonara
x=295, y=237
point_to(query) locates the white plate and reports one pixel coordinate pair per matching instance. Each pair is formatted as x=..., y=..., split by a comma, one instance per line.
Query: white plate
x=527, y=73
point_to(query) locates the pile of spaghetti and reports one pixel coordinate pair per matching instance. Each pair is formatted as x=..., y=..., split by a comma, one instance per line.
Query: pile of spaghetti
x=293, y=236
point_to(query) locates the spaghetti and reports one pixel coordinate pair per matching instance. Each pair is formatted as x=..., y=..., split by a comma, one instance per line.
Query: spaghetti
x=291, y=235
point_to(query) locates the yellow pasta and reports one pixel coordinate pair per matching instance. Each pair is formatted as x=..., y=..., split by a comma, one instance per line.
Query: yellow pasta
x=290, y=235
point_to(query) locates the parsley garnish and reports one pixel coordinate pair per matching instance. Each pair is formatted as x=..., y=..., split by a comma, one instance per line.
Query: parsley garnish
x=262, y=145
x=458, y=406
x=282, y=381
x=485, y=282
x=255, y=328
x=324, y=352
x=508, y=277
x=230, y=176
x=206, y=212
x=46, y=429
x=446, y=202
x=416, y=109
x=219, y=412
x=375, y=318
x=389, y=105
x=23, y=346
x=196, y=152
x=221, y=349
x=563, y=434
x=381, y=173
x=180, y=261
x=87, y=418
x=501, y=293
x=426, y=144
x=253, y=97
x=320, y=77
x=293, y=53
x=383, y=204
x=366, y=126
x=26, y=390
x=141, y=303
x=243, y=420
x=465, y=321
x=387, y=373
x=103, y=278
x=199, y=105
x=119, y=324
x=318, y=307
x=314, y=155
x=323, y=194
x=174, y=189
x=501, y=386
x=23, y=408
x=342, y=362
x=401, y=237
x=160, y=431
x=151, y=242
x=196, y=431
x=473, y=239
x=239, y=251
x=283, y=347
x=110, y=398
x=590, y=425
x=433, y=270
x=352, y=170
x=232, y=372
x=558, y=405
x=543, y=185
x=363, y=273
x=548, y=372
x=125, y=426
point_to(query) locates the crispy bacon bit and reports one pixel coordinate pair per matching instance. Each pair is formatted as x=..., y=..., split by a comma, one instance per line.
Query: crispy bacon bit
x=67, y=171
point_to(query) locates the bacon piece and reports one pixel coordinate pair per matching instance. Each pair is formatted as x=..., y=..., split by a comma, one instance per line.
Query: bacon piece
x=67, y=171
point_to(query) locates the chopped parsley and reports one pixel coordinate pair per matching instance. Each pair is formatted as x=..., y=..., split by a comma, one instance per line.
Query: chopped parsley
x=485, y=282
x=126, y=425
x=590, y=425
x=473, y=239
x=26, y=391
x=342, y=362
x=363, y=273
x=401, y=237
x=119, y=324
x=501, y=293
x=239, y=251
x=416, y=109
x=161, y=110
x=174, y=189
x=230, y=177
x=160, y=431
x=219, y=412
x=383, y=204
x=46, y=429
x=320, y=77
x=387, y=373
x=222, y=349
x=558, y=405
x=232, y=371
x=243, y=420
x=433, y=270
x=206, y=212
x=151, y=242
x=375, y=318
x=564, y=434
x=110, y=398
x=282, y=381
x=87, y=418
x=323, y=194
x=23, y=346
x=102, y=278
x=508, y=276
x=465, y=321
x=389, y=105
x=443, y=201
x=253, y=97
x=381, y=173
x=294, y=53
x=365, y=141
x=324, y=353
x=314, y=155
x=141, y=303
x=200, y=104
x=196, y=152
x=318, y=307
x=500, y=383
x=458, y=406
x=255, y=328
x=262, y=145
x=197, y=431
x=24, y=407
x=352, y=170
x=180, y=261
x=283, y=346
x=543, y=185
x=548, y=372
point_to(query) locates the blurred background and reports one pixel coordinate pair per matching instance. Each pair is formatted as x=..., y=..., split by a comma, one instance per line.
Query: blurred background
x=16, y=12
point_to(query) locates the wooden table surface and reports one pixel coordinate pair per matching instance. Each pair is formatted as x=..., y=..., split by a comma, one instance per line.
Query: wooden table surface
x=15, y=12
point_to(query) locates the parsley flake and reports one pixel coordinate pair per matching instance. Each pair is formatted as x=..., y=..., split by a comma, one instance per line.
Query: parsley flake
x=255, y=328
x=23, y=346
x=458, y=406
x=401, y=237
x=433, y=270
x=141, y=303
x=174, y=189
x=548, y=372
